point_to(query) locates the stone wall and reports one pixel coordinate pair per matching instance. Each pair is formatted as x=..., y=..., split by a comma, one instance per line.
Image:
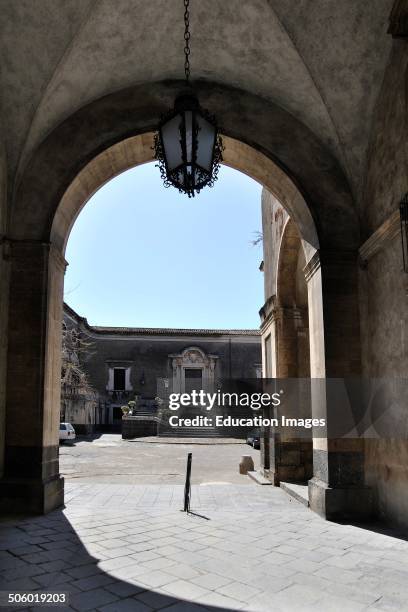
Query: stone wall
x=133, y=427
x=4, y=279
x=383, y=284
x=148, y=354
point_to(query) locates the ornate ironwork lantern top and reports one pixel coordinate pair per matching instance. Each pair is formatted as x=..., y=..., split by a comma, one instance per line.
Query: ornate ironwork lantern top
x=187, y=145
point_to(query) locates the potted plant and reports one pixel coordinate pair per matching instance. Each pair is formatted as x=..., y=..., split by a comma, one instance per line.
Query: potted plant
x=131, y=405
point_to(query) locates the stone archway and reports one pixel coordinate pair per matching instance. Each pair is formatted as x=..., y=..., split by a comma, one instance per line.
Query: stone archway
x=95, y=144
x=139, y=150
x=285, y=336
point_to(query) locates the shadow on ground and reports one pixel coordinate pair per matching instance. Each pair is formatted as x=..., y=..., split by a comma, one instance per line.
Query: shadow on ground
x=46, y=555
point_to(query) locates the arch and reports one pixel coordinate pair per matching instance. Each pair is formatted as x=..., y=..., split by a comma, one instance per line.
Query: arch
x=262, y=140
x=275, y=149
x=291, y=287
x=138, y=150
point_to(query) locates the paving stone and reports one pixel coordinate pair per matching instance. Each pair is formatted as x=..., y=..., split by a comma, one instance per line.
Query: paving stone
x=125, y=605
x=185, y=606
x=183, y=589
x=33, y=558
x=155, y=578
x=296, y=596
x=117, y=562
x=276, y=558
x=211, y=581
x=83, y=571
x=111, y=553
x=124, y=589
x=54, y=578
x=90, y=600
x=337, y=604
x=159, y=563
x=239, y=591
x=157, y=601
x=113, y=543
x=21, y=584
x=339, y=575
x=182, y=571
x=54, y=566
x=142, y=557
x=25, y=550
x=92, y=582
x=220, y=601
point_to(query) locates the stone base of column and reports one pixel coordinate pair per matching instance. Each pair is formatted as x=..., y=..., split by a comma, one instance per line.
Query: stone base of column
x=270, y=475
x=31, y=496
x=290, y=461
x=340, y=503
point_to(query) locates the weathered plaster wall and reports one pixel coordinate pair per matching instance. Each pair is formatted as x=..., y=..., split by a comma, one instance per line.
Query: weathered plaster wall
x=383, y=284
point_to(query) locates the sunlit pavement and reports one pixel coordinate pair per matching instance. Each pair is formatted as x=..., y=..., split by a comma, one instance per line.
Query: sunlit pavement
x=108, y=458
x=247, y=547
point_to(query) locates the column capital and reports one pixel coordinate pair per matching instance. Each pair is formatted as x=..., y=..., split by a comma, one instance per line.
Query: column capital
x=15, y=249
x=334, y=259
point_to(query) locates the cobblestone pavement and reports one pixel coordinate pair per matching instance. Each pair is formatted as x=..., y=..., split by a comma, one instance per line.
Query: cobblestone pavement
x=128, y=547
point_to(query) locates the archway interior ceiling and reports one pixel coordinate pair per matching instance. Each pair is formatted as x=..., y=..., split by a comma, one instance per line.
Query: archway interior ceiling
x=321, y=61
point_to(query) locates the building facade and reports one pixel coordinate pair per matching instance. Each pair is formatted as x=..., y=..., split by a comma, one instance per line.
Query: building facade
x=139, y=364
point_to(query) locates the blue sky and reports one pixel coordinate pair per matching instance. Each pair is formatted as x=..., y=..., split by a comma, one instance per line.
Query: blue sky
x=144, y=256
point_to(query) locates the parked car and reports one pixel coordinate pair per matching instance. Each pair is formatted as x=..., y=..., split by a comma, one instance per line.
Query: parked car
x=254, y=439
x=66, y=432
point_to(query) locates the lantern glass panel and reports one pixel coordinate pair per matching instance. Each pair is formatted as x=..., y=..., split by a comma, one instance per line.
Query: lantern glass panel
x=205, y=143
x=171, y=142
x=188, y=119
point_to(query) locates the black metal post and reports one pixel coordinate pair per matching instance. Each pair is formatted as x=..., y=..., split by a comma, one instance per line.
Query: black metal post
x=187, y=488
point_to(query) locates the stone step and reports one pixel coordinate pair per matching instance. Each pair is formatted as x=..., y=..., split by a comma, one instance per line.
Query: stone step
x=298, y=491
x=259, y=478
x=190, y=432
x=201, y=432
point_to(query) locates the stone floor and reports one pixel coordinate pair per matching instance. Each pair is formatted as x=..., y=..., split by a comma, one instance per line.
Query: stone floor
x=128, y=547
x=108, y=458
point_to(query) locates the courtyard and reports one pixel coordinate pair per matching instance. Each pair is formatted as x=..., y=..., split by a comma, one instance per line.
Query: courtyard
x=107, y=458
x=121, y=542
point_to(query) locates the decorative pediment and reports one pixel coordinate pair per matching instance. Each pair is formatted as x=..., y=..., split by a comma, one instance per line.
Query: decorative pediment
x=193, y=356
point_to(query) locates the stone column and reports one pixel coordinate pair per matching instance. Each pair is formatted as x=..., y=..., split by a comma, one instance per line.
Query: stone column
x=4, y=291
x=31, y=480
x=337, y=488
x=290, y=458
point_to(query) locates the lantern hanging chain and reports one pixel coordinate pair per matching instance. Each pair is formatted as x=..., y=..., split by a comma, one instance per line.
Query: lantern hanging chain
x=187, y=40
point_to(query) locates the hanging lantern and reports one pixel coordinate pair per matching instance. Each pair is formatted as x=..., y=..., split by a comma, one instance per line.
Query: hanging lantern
x=188, y=147
x=187, y=144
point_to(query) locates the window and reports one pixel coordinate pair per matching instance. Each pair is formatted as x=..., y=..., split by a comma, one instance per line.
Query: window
x=193, y=379
x=119, y=379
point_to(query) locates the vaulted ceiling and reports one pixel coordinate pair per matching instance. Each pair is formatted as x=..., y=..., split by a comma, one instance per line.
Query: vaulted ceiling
x=321, y=60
